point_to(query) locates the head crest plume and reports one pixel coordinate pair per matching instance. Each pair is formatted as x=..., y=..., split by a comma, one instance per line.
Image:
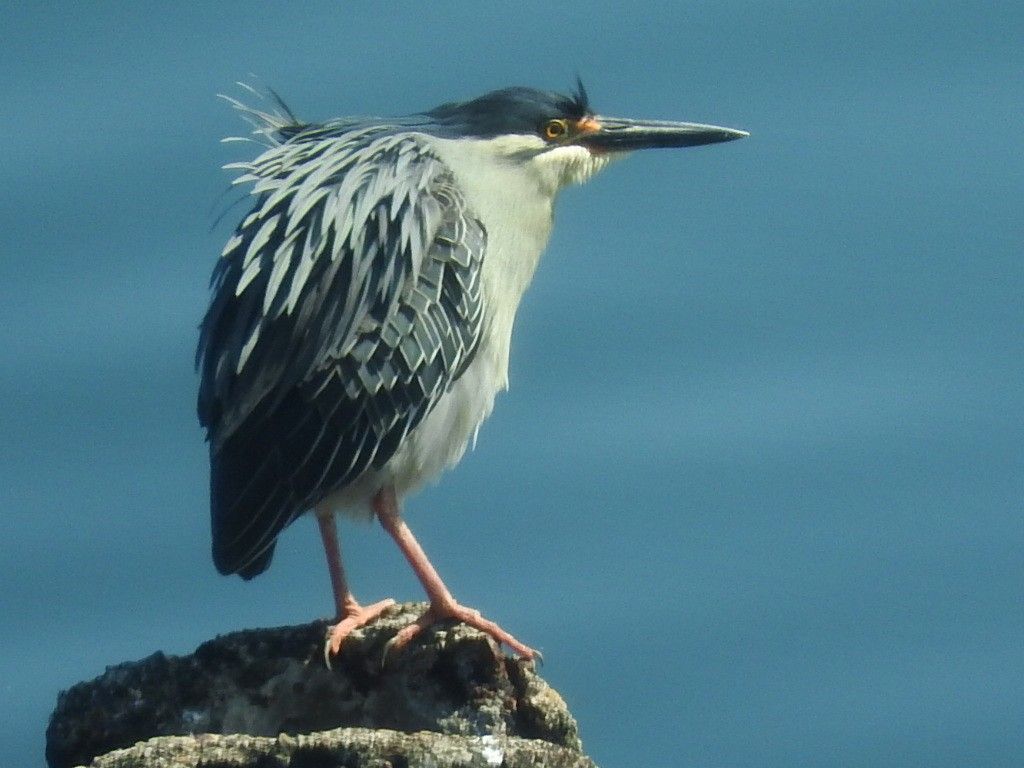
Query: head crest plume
x=580, y=99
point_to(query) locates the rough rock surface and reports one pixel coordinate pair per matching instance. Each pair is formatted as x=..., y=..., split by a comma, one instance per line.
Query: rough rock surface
x=449, y=699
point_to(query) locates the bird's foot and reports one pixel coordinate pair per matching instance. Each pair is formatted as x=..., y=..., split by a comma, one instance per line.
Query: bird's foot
x=438, y=612
x=355, y=616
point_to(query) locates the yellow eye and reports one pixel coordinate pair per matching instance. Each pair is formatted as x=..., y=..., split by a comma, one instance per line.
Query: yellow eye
x=554, y=129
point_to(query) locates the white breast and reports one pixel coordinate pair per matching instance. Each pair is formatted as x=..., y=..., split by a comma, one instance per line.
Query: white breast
x=516, y=211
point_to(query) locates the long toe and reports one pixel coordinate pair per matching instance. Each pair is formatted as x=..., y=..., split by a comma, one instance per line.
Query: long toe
x=356, y=616
x=454, y=611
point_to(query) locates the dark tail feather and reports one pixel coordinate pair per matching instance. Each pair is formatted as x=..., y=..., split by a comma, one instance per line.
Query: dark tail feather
x=259, y=565
x=250, y=504
x=284, y=458
x=262, y=477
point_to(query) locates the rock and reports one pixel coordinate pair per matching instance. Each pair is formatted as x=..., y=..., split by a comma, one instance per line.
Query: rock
x=344, y=748
x=449, y=699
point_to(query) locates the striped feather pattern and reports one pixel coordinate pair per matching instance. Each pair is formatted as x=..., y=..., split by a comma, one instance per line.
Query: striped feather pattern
x=346, y=302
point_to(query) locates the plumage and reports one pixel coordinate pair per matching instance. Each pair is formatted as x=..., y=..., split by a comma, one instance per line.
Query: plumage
x=304, y=310
x=362, y=311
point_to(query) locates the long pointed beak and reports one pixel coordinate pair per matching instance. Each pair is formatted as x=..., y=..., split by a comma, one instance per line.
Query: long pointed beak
x=614, y=134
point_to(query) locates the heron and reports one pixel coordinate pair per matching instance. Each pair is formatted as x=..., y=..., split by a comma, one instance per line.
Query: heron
x=361, y=314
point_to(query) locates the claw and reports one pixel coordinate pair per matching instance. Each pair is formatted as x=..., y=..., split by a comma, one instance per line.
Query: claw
x=355, y=616
x=453, y=611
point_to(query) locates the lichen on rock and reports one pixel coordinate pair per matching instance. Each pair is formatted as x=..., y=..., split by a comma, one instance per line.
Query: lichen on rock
x=266, y=698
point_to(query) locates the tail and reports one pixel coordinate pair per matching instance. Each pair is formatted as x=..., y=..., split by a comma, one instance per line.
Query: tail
x=250, y=504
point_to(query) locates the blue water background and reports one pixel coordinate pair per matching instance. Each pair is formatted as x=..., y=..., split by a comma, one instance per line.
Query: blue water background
x=756, y=490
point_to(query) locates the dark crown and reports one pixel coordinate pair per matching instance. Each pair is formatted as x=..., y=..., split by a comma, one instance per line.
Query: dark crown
x=515, y=110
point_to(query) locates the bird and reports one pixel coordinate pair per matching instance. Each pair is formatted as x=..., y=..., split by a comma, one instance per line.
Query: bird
x=361, y=314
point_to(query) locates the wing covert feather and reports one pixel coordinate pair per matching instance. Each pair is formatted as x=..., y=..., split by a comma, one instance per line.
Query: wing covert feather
x=345, y=304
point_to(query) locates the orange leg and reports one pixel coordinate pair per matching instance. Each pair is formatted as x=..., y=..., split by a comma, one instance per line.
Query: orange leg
x=350, y=613
x=442, y=604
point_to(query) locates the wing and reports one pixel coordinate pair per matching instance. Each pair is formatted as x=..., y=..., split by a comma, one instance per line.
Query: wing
x=347, y=301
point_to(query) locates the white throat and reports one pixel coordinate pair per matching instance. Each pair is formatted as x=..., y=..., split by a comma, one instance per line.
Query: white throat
x=511, y=188
x=510, y=183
